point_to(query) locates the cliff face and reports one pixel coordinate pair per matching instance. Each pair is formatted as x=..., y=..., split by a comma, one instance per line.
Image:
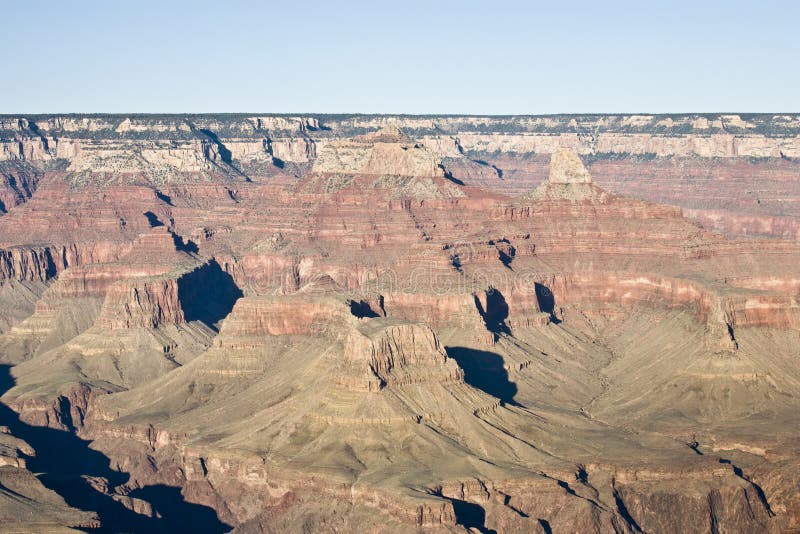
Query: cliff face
x=42, y=138
x=737, y=173
x=432, y=328
x=385, y=152
x=196, y=143
x=378, y=356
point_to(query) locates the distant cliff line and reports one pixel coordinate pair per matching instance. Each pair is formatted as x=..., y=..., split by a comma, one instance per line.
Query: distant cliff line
x=297, y=138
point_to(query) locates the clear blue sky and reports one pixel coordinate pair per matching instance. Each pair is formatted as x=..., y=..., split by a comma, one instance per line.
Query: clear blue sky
x=413, y=56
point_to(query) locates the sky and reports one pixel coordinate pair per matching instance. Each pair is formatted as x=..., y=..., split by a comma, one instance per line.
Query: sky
x=411, y=56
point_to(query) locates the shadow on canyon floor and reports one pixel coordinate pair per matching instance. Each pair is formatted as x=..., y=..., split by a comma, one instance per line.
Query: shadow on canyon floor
x=496, y=312
x=469, y=515
x=67, y=465
x=547, y=301
x=485, y=371
x=208, y=294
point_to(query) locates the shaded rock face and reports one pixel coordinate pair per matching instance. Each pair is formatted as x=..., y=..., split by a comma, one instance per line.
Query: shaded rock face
x=288, y=323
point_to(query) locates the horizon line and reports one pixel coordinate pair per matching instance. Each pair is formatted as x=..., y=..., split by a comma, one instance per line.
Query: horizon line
x=391, y=114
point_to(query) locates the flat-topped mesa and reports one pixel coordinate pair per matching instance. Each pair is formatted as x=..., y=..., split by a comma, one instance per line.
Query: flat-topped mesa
x=386, y=352
x=378, y=166
x=388, y=134
x=141, y=303
x=278, y=315
x=385, y=152
x=568, y=180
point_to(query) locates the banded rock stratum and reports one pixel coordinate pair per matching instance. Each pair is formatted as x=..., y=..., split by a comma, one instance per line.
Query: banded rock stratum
x=397, y=323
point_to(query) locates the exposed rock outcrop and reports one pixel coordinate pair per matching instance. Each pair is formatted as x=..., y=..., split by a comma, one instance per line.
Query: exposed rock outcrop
x=287, y=316
x=568, y=180
x=385, y=152
x=379, y=355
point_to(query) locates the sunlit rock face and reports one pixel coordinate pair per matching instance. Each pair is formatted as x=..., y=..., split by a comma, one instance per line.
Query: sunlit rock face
x=385, y=152
x=568, y=180
x=280, y=323
x=566, y=167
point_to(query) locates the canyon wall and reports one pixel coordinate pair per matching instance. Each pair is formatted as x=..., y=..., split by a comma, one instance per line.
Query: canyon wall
x=431, y=323
x=737, y=173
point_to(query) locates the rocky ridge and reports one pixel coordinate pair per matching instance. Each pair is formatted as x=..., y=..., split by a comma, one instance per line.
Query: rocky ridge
x=754, y=157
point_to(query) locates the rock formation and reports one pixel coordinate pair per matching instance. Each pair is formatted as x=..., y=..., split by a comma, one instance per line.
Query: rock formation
x=567, y=168
x=387, y=323
x=568, y=180
x=639, y=155
x=385, y=152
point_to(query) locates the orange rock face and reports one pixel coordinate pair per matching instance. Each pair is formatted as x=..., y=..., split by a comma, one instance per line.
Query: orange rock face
x=329, y=323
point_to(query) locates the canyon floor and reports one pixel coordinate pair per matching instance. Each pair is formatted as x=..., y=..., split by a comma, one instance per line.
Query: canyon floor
x=400, y=324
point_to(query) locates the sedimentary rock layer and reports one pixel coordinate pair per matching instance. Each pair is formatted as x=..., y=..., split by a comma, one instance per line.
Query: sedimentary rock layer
x=323, y=322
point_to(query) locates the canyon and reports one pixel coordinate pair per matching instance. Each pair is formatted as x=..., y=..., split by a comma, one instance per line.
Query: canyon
x=293, y=323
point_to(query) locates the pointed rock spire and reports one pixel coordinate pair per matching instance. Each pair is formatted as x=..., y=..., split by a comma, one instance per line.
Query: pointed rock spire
x=566, y=167
x=569, y=180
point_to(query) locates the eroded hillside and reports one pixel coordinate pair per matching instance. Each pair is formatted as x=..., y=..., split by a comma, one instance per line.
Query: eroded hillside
x=394, y=323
